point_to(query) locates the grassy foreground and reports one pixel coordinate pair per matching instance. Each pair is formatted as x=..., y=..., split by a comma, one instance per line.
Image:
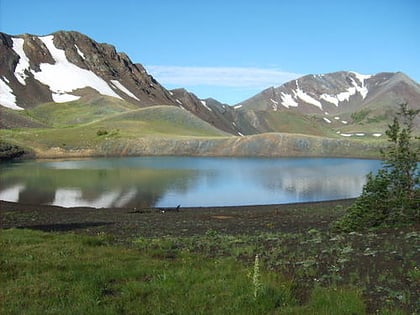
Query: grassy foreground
x=276, y=273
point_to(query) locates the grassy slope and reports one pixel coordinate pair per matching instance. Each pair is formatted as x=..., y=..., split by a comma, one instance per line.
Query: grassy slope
x=76, y=128
x=68, y=274
x=76, y=113
x=294, y=122
x=309, y=272
x=73, y=131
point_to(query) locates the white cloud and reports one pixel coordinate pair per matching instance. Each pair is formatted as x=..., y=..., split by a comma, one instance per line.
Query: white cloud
x=238, y=77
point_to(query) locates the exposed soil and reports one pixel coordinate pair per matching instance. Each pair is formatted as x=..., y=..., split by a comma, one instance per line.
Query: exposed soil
x=126, y=224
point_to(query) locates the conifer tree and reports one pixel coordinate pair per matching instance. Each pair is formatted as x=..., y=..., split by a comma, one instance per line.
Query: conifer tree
x=391, y=196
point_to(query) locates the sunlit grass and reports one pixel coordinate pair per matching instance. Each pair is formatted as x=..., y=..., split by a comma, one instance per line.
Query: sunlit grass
x=73, y=274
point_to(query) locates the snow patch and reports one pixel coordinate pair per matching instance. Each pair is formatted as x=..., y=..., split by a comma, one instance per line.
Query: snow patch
x=64, y=97
x=23, y=64
x=307, y=98
x=118, y=85
x=81, y=54
x=205, y=105
x=362, y=77
x=363, y=92
x=360, y=134
x=64, y=76
x=237, y=106
x=346, y=134
x=337, y=118
x=329, y=99
x=7, y=98
x=275, y=104
x=345, y=122
x=361, y=89
x=178, y=101
x=377, y=134
x=288, y=101
x=345, y=96
x=327, y=120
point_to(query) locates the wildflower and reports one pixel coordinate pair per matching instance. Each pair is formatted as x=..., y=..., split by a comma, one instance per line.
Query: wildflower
x=256, y=279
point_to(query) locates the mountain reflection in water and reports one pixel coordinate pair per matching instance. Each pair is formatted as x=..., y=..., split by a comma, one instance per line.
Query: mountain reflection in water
x=189, y=181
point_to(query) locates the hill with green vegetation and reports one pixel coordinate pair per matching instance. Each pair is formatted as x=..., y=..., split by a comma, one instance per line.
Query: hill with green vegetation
x=64, y=94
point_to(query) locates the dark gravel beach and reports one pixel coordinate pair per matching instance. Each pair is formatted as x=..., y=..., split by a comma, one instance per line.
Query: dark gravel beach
x=125, y=224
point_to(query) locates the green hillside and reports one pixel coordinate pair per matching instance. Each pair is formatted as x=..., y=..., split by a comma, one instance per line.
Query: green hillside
x=294, y=122
x=77, y=112
x=115, y=128
x=75, y=127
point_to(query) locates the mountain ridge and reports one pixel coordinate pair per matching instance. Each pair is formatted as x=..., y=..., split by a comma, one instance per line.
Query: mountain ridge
x=41, y=78
x=94, y=81
x=335, y=98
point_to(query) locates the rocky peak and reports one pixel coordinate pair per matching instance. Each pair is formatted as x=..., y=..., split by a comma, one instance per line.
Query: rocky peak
x=59, y=66
x=332, y=92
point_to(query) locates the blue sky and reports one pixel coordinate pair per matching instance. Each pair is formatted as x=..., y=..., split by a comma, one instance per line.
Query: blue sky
x=231, y=50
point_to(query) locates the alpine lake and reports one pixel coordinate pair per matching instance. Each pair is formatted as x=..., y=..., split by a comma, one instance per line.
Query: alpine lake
x=135, y=182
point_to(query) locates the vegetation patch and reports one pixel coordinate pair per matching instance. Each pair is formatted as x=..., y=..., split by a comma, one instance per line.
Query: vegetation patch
x=266, y=273
x=392, y=196
x=360, y=115
x=10, y=151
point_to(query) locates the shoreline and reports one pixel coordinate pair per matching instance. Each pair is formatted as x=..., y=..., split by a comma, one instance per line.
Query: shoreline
x=126, y=224
x=35, y=157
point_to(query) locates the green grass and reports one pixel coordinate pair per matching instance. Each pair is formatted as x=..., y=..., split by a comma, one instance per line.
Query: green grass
x=76, y=112
x=317, y=265
x=293, y=122
x=299, y=273
x=158, y=121
x=73, y=274
x=111, y=128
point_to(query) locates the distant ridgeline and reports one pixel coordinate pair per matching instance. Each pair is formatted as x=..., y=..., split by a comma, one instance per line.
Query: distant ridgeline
x=58, y=91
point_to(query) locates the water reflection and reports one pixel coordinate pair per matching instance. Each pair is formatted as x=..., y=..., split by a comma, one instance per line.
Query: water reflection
x=168, y=181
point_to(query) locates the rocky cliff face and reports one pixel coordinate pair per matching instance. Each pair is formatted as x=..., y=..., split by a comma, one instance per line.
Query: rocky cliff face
x=66, y=66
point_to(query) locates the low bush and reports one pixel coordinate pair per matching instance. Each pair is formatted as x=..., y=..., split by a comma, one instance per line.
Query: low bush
x=392, y=196
x=10, y=151
x=101, y=132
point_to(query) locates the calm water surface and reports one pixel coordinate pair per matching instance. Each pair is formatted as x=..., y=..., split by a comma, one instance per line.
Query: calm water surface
x=188, y=181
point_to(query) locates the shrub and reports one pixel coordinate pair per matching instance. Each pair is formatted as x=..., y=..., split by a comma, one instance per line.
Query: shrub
x=102, y=132
x=10, y=151
x=392, y=195
x=357, y=117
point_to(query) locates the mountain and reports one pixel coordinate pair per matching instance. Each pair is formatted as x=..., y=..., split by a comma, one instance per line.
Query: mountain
x=68, y=66
x=64, y=94
x=347, y=103
x=209, y=110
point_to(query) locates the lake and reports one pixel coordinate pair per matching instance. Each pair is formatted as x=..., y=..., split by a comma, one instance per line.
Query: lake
x=137, y=182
